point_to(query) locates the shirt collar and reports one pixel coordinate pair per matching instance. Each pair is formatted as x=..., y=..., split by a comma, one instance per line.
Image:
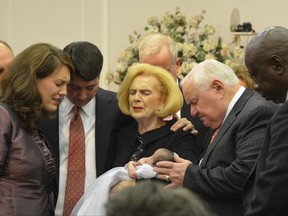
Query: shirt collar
x=66, y=107
x=234, y=100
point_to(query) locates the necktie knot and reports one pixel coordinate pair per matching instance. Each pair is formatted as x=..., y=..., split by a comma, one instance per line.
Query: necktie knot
x=76, y=111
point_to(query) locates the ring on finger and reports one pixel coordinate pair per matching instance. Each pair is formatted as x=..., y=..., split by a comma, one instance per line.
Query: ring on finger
x=167, y=178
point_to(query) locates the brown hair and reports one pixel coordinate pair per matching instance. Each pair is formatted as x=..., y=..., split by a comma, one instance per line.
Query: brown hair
x=151, y=198
x=19, y=87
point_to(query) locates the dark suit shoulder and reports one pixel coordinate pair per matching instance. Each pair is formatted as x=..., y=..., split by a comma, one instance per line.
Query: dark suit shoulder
x=106, y=94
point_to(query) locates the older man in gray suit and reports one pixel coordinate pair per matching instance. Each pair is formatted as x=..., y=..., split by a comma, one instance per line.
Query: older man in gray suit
x=238, y=118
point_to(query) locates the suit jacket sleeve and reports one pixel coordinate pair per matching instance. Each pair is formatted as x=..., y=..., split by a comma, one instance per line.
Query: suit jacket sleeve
x=109, y=120
x=233, y=157
x=270, y=190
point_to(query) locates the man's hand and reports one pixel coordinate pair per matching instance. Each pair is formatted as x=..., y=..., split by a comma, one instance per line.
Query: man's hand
x=186, y=124
x=172, y=171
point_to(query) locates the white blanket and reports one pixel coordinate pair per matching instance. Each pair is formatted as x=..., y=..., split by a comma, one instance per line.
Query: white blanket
x=95, y=197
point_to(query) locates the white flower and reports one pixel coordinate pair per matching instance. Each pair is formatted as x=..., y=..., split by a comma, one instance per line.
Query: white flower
x=209, y=29
x=126, y=56
x=238, y=52
x=131, y=38
x=230, y=63
x=122, y=67
x=153, y=21
x=209, y=45
x=192, y=34
x=225, y=52
x=180, y=29
x=152, y=31
x=194, y=43
x=181, y=18
x=210, y=56
x=168, y=21
x=224, y=46
x=193, y=64
x=193, y=23
x=189, y=49
x=185, y=68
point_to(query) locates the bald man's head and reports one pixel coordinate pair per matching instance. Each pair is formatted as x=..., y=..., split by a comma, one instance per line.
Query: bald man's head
x=6, y=56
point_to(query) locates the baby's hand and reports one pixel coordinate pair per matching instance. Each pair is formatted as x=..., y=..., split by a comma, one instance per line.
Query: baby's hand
x=131, y=168
x=145, y=171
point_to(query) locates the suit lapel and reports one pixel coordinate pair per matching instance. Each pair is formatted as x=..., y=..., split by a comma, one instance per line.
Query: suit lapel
x=105, y=110
x=227, y=123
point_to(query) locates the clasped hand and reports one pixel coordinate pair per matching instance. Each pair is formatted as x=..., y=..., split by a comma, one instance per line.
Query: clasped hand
x=173, y=172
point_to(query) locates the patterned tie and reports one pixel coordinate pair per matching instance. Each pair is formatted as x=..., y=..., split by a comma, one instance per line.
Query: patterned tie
x=76, y=163
x=214, y=135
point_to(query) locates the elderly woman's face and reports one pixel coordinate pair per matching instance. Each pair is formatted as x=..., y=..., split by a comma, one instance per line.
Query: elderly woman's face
x=144, y=98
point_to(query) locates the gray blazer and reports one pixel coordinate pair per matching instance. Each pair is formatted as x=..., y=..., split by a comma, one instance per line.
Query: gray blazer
x=227, y=162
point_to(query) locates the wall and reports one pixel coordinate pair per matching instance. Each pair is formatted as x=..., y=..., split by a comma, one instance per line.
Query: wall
x=107, y=23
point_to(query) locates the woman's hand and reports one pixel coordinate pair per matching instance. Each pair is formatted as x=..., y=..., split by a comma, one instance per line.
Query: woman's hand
x=185, y=123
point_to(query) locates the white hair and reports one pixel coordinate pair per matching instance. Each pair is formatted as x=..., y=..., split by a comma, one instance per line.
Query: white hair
x=205, y=72
x=153, y=43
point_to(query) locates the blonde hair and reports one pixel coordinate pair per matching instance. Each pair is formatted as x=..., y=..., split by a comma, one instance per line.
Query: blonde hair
x=242, y=73
x=169, y=91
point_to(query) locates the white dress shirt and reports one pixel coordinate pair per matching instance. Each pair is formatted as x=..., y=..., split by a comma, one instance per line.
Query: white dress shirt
x=88, y=117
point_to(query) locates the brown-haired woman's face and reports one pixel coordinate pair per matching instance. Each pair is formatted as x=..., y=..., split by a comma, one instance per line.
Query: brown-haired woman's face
x=144, y=98
x=53, y=88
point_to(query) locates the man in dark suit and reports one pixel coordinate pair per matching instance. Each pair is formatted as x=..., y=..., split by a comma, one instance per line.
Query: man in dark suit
x=238, y=118
x=160, y=50
x=100, y=114
x=266, y=191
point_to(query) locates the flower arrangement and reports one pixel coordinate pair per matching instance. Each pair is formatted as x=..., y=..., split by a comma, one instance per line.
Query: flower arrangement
x=194, y=43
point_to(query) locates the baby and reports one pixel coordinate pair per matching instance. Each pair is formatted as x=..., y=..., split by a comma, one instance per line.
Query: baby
x=143, y=169
x=105, y=186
